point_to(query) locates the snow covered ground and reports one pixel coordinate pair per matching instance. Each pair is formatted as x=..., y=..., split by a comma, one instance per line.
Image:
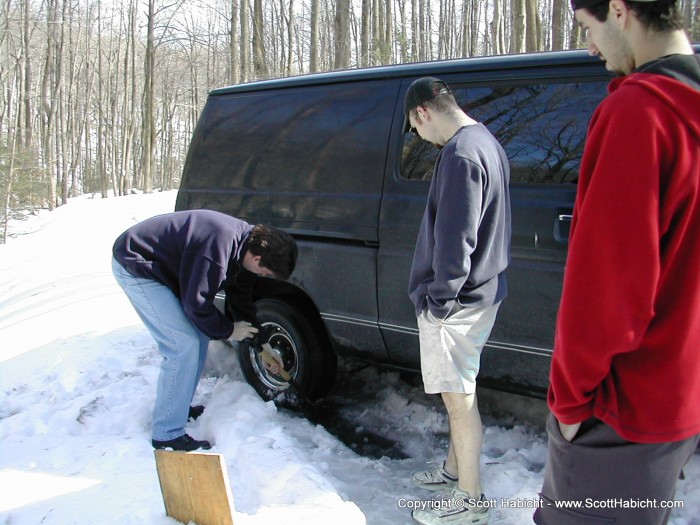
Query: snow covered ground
x=77, y=379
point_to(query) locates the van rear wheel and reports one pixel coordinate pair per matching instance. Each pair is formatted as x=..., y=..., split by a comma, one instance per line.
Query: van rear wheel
x=295, y=339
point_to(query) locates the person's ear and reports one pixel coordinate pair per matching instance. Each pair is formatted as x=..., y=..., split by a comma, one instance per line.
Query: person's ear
x=423, y=114
x=619, y=12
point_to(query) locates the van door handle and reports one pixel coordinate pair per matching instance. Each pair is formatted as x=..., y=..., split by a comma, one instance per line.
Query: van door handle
x=562, y=226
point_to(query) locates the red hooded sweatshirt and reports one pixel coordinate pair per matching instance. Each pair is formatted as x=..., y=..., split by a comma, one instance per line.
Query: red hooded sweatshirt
x=627, y=345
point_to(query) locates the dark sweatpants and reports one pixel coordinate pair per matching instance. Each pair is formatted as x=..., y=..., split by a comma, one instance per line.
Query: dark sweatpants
x=615, y=481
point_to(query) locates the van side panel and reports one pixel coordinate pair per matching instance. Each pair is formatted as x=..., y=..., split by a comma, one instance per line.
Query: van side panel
x=541, y=122
x=307, y=160
x=310, y=160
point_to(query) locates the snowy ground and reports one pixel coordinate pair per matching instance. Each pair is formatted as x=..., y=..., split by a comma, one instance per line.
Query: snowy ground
x=77, y=380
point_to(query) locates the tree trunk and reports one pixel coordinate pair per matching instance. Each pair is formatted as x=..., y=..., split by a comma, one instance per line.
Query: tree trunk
x=497, y=29
x=388, y=34
x=27, y=137
x=290, y=37
x=375, y=30
x=403, y=33
x=234, y=56
x=559, y=23
x=423, y=52
x=415, y=31
x=259, y=62
x=128, y=102
x=245, y=41
x=533, y=27
x=313, y=51
x=518, y=44
x=148, y=126
x=342, y=34
x=465, y=36
x=51, y=86
x=12, y=136
x=366, y=24
x=101, y=161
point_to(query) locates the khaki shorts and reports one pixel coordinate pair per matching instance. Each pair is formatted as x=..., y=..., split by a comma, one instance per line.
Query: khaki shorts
x=450, y=349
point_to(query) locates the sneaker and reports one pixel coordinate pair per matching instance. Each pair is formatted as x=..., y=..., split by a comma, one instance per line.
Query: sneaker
x=454, y=508
x=436, y=479
x=195, y=412
x=183, y=443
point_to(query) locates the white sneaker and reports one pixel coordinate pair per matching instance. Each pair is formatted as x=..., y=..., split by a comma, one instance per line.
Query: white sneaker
x=454, y=508
x=436, y=479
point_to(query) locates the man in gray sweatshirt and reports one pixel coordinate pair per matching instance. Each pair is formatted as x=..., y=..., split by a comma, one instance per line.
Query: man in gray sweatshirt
x=457, y=283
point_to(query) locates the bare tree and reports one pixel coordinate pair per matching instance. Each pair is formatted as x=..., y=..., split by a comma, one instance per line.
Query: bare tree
x=129, y=102
x=10, y=176
x=388, y=33
x=148, y=124
x=51, y=82
x=245, y=41
x=533, y=38
x=259, y=62
x=234, y=56
x=518, y=43
x=498, y=42
x=11, y=123
x=402, y=33
x=290, y=37
x=445, y=24
x=314, y=37
x=149, y=129
x=424, y=45
x=365, y=33
x=27, y=92
x=415, y=31
x=559, y=23
x=342, y=34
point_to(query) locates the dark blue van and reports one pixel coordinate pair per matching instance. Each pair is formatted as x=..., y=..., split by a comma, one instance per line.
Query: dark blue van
x=325, y=157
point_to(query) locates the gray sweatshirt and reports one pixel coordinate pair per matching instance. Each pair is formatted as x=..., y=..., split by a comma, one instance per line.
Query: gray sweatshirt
x=463, y=245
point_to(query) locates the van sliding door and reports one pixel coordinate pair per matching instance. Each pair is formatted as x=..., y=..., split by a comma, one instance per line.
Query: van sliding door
x=542, y=126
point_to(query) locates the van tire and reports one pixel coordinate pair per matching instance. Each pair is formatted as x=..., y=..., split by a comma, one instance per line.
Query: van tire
x=295, y=337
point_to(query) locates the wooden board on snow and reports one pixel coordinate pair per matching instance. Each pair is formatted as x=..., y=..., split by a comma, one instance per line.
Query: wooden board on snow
x=195, y=487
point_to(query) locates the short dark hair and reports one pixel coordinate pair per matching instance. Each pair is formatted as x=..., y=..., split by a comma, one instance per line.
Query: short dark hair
x=277, y=250
x=660, y=16
x=442, y=103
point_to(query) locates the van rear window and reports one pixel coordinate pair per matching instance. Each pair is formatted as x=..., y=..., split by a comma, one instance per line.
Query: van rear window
x=542, y=127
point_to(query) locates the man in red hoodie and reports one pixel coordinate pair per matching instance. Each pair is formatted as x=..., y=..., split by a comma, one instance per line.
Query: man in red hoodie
x=625, y=376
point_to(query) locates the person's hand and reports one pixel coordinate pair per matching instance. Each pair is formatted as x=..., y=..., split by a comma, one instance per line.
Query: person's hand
x=568, y=431
x=243, y=330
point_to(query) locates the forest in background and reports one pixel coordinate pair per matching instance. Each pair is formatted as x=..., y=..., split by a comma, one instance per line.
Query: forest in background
x=102, y=96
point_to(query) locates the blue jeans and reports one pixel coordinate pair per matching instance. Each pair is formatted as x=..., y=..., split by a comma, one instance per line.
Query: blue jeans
x=182, y=345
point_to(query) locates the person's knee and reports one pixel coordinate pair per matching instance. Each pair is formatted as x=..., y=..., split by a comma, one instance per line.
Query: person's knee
x=459, y=403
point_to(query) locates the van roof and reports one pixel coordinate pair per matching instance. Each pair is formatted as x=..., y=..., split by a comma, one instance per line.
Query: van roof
x=418, y=69
x=512, y=63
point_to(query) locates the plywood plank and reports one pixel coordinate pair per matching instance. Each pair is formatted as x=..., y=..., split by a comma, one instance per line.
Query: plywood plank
x=195, y=487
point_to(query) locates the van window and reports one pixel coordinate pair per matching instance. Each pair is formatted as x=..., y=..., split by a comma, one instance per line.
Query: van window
x=542, y=127
x=294, y=139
